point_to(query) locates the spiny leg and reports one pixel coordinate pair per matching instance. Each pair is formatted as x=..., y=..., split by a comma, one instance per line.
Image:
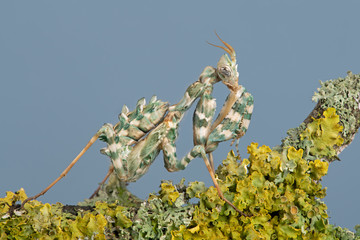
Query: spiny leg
x=227, y=72
x=63, y=174
x=234, y=125
x=203, y=116
x=210, y=169
x=246, y=106
x=225, y=126
x=194, y=91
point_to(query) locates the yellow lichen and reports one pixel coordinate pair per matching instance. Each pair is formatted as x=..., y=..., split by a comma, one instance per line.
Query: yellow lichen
x=168, y=193
x=279, y=191
x=324, y=134
x=318, y=168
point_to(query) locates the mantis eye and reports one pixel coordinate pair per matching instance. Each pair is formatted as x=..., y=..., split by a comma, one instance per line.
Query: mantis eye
x=226, y=71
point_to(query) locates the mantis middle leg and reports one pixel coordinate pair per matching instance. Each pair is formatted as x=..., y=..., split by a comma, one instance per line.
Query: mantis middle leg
x=173, y=164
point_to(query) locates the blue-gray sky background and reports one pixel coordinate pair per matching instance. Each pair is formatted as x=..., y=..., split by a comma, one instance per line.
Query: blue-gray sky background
x=67, y=67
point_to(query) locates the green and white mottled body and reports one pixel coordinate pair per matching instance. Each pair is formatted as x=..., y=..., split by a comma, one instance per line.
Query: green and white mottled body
x=131, y=156
x=122, y=137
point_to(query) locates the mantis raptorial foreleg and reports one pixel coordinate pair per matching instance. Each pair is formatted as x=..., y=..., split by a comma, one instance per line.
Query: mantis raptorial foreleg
x=233, y=119
x=202, y=127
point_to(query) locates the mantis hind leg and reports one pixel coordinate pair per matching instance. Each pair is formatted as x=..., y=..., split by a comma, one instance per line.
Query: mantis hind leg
x=67, y=169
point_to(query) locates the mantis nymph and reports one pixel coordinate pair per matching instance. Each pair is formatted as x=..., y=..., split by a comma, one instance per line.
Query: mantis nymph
x=139, y=136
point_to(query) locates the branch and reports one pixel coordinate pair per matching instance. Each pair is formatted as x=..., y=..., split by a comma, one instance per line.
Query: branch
x=343, y=94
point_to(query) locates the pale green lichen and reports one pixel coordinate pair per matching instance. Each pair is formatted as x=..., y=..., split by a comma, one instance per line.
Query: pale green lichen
x=342, y=94
x=156, y=219
x=343, y=233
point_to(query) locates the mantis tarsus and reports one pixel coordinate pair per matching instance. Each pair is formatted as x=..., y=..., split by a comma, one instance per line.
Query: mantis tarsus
x=139, y=136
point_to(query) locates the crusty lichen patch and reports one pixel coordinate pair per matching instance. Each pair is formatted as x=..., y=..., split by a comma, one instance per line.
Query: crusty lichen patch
x=343, y=94
x=323, y=134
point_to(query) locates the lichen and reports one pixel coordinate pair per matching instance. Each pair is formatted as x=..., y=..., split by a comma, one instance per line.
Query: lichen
x=279, y=189
x=342, y=94
x=45, y=221
x=323, y=134
x=161, y=213
x=281, y=193
x=155, y=218
x=318, y=138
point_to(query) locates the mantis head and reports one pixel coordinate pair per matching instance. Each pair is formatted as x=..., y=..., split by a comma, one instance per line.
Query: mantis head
x=227, y=67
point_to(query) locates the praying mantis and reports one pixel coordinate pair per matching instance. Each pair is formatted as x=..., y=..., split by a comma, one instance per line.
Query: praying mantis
x=139, y=136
